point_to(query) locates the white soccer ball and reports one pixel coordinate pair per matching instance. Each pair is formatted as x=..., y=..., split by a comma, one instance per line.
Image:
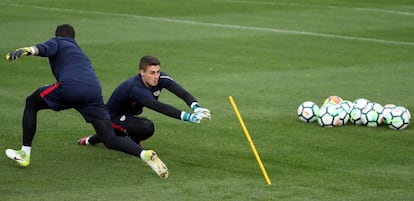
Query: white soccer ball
x=328, y=116
x=347, y=105
x=379, y=109
x=357, y=106
x=398, y=118
x=371, y=115
x=360, y=103
x=343, y=109
x=308, y=111
x=408, y=113
x=355, y=116
x=387, y=109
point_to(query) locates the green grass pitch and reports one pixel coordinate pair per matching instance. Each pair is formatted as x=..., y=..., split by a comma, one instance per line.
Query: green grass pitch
x=269, y=55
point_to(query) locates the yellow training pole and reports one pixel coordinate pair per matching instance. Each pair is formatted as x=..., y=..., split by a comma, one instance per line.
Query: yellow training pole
x=250, y=141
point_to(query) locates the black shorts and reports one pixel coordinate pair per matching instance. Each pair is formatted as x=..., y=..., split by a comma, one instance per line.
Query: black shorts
x=86, y=99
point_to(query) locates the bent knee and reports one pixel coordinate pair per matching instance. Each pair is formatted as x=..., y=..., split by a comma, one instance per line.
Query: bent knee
x=34, y=101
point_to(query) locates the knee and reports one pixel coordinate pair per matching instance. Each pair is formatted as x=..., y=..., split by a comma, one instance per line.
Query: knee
x=34, y=101
x=149, y=128
x=141, y=130
x=145, y=131
x=30, y=101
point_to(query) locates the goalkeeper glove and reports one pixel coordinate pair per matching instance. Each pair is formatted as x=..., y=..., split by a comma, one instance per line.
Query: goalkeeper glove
x=196, y=108
x=20, y=52
x=192, y=117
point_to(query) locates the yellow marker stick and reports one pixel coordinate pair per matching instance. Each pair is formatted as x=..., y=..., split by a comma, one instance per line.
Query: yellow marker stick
x=249, y=139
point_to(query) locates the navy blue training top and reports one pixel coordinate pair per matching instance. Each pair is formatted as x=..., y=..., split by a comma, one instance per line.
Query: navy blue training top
x=132, y=95
x=70, y=64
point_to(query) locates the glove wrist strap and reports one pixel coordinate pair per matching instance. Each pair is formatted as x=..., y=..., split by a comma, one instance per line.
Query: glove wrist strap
x=194, y=105
x=32, y=50
x=185, y=116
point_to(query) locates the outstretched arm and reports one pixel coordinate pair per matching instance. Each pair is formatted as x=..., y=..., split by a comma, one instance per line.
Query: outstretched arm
x=162, y=108
x=189, y=99
x=174, y=112
x=182, y=93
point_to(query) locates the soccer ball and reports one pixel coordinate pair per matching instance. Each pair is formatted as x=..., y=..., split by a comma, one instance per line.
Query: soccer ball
x=360, y=103
x=378, y=108
x=328, y=116
x=408, y=112
x=355, y=116
x=347, y=105
x=332, y=99
x=343, y=110
x=357, y=106
x=371, y=115
x=387, y=109
x=398, y=118
x=308, y=111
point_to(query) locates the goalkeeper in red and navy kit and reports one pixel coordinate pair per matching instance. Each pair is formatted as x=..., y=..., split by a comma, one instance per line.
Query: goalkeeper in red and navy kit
x=143, y=90
x=77, y=87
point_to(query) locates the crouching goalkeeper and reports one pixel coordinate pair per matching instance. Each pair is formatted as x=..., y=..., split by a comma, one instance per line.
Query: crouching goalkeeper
x=143, y=90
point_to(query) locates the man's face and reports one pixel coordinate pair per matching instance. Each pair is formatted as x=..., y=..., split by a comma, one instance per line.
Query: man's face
x=151, y=75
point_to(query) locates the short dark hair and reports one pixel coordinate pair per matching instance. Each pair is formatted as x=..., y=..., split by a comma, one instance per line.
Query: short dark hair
x=148, y=60
x=65, y=30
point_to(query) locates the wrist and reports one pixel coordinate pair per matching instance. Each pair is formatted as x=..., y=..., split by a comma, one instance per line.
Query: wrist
x=31, y=50
x=34, y=50
x=194, y=105
x=185, y=116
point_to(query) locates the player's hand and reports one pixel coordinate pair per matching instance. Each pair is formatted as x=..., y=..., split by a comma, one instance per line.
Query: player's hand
x=193, y=117
x=204, y=111
x=196, y=108
x=20, y=52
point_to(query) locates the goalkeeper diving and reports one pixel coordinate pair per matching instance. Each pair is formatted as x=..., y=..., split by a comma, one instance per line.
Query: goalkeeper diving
x=127, y=101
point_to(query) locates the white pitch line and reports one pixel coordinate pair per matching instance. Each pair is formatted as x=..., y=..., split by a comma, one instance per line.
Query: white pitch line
x=210, y=24
x=367, y=9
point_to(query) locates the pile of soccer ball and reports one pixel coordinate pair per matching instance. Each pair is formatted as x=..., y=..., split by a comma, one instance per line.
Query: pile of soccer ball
x=336, y=112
